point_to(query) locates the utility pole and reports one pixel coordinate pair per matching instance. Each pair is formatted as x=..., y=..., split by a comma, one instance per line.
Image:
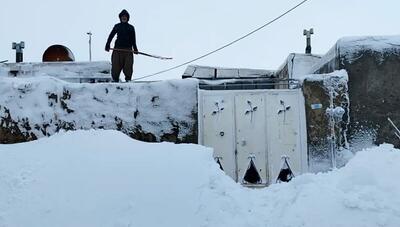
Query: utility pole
x=18, y=47
x=90, y=45
x=308, y=34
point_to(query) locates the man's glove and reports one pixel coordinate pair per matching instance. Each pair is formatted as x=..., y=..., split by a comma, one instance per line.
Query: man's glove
x=107, y=48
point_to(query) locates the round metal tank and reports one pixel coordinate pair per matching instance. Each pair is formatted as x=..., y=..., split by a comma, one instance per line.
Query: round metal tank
x=57, y=53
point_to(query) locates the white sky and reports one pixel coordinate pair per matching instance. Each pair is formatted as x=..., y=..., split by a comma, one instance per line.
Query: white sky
x=187, y=29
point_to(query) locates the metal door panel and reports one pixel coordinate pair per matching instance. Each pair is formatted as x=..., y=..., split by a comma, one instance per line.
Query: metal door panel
x=218, y=129
x=250, y=133
x=283, y=129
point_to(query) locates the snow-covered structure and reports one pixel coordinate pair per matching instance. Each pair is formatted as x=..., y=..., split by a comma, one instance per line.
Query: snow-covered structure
x=255, y=124
x=76, y=72
x=297, y=65
x=40, y=106
x=256, y=120
x=373, y=66
x=207, y=72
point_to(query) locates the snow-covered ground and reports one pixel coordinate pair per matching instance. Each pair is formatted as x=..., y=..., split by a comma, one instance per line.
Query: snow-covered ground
x=104, y=178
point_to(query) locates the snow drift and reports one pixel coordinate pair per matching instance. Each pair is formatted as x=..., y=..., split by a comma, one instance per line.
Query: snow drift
x=104, y=178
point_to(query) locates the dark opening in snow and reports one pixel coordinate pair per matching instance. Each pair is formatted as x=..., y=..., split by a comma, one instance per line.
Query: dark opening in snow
x=286, y=174
x=252, y=176
x=218, y=159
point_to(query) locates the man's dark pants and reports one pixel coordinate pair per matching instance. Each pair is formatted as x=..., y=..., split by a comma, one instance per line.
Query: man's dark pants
x=121, y=61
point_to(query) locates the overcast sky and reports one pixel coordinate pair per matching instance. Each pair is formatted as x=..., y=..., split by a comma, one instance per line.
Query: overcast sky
x=186, y=29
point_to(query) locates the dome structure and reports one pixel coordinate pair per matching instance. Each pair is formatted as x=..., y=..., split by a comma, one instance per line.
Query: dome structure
x=57, y=53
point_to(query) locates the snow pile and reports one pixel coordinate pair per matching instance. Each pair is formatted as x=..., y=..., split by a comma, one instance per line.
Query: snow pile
x=103, y=178
x=45, y=105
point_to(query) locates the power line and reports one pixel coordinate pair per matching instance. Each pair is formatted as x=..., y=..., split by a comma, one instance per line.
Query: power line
x=226, y=45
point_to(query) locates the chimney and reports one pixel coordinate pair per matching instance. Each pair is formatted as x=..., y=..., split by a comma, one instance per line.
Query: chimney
x=18, y=47
x=308, y=34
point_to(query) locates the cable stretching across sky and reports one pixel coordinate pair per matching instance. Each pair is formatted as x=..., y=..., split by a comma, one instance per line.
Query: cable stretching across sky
x=228, y=44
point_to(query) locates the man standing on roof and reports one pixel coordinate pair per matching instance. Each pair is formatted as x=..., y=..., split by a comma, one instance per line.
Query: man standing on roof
x=122, y=56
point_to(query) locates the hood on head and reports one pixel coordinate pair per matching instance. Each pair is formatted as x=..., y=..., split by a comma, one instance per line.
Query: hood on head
x=122, y=13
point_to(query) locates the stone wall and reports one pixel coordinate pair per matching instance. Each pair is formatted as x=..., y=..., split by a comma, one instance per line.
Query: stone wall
x=31, y=108
x=316, y=89
x=374, y=82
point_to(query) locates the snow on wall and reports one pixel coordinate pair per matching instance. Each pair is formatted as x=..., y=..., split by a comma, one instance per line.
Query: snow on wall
x=330, y=80
x=350, y=49
x=131, y=183
x=43, y=105
x=69, y=71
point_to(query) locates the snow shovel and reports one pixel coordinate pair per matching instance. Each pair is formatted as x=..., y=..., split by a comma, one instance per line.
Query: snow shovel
x=3, y=61
x=141, y=53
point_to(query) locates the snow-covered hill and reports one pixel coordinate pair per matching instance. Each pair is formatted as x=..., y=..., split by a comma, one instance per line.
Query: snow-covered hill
x=104, y=178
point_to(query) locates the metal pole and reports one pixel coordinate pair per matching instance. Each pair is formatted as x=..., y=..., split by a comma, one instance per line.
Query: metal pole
x=90, y=45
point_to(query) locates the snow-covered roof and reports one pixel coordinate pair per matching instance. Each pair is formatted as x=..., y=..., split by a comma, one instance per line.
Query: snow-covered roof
x=69, y=71
x=299, y=64
x=207, y=72
x=375, y=43
x=352, y=48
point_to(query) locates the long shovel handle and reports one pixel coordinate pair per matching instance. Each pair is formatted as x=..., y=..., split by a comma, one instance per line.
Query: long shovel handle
x=141, y=53
x=155, y=56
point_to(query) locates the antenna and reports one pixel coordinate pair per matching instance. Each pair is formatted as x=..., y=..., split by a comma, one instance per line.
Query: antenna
x=90, y=45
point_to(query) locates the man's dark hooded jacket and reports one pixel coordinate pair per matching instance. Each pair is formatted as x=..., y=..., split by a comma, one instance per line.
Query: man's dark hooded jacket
x=126, y=36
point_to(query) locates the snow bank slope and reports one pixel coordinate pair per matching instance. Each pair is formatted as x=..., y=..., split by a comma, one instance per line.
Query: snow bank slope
x=103, y=178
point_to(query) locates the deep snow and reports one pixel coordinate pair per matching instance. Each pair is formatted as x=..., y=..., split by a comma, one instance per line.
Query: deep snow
x=104, y=178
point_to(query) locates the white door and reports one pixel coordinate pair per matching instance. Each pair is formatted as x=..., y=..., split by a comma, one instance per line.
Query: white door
x=251, y=138
x=251, y=131
x=284, y=130
x=218, y=129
